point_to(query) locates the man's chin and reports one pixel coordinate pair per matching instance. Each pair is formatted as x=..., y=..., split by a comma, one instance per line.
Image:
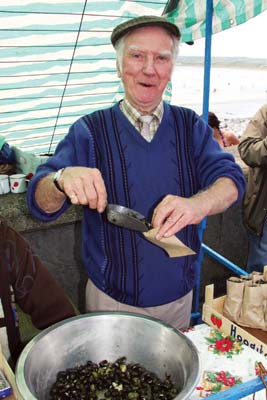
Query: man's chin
x=149, y=100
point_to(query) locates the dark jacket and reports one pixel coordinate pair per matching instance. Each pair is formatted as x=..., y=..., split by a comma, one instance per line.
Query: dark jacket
x=253, y=151
x=25, y=281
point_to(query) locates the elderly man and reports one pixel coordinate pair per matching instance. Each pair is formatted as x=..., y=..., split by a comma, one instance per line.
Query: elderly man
x=168, y=168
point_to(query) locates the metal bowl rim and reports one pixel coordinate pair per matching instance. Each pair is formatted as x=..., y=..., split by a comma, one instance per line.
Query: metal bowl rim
x=19, y=371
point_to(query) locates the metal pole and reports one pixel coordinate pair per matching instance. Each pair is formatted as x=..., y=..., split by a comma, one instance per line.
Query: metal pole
x=209, y=11
x=224, y=261
x=206, y=89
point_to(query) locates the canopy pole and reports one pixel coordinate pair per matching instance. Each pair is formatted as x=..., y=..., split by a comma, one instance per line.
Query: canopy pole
x=196, y=315
x=207, y=66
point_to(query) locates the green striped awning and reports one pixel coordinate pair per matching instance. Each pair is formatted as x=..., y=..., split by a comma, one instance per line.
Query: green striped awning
x=57, y=64
x=190, y=15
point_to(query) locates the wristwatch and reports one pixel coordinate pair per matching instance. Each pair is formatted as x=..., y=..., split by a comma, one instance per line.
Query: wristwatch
x=56, y=179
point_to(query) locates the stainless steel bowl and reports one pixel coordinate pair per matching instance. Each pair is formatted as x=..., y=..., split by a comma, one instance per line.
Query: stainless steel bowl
x=108, y=335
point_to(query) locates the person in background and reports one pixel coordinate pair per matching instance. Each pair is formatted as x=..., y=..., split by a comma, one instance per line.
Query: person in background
x=224, y=138
x=24, y=281
x=253, y=151
x=147, y=155
x=7, y=158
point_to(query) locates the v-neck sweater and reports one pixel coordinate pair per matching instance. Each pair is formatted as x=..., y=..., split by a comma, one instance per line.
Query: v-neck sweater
x=181, y=159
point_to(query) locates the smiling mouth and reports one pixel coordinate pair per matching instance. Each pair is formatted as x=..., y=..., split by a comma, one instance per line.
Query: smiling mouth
x=146, y=85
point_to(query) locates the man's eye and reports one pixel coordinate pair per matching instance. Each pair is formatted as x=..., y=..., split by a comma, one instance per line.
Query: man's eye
x=163, y=58
x=136, y=55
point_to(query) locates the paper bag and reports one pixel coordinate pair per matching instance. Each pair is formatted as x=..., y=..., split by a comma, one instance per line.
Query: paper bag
x=234, y=298
x=172, y=245
x=253, y=308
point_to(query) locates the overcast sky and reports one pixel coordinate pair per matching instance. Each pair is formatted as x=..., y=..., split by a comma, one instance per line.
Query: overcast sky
x=245, y=40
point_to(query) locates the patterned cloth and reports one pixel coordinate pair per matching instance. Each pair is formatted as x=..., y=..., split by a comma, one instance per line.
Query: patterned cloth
x=225, y=362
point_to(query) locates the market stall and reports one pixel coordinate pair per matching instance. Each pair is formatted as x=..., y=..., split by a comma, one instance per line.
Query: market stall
x=241, y=380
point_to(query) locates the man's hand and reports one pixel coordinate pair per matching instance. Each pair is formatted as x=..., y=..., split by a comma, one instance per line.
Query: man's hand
x=82, y=185
x=173, y=213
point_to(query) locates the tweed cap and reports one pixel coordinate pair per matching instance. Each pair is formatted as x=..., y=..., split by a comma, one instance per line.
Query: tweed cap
x=139, y=22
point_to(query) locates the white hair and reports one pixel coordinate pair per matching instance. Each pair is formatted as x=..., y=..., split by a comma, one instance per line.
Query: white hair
x=119, y=47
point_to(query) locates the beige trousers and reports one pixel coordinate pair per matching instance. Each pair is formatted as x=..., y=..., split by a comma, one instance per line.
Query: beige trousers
x=176, y=313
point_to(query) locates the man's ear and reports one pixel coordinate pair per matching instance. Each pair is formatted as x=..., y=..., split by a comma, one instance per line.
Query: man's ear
x=118, y=69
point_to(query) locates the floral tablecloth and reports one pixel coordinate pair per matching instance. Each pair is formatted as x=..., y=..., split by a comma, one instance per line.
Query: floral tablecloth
x=224, y=362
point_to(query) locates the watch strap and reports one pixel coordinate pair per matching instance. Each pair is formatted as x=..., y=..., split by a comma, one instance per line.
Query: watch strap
x=56, y=178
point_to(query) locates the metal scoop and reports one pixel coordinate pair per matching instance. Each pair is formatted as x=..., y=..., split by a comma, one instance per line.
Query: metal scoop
x=127, y=218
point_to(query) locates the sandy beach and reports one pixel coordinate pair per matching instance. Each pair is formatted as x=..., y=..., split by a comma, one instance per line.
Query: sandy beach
x=236, y=125
x=236, y=93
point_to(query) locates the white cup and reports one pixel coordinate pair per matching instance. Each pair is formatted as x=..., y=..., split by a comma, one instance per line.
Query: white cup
x=4, y=184
x=18, y=183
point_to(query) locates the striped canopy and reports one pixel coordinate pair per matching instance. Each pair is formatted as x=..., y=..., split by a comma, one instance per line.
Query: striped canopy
x=57, y=62
x=190, y=15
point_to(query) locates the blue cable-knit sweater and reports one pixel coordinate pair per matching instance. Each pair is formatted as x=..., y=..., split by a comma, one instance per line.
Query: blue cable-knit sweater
x=182, y=159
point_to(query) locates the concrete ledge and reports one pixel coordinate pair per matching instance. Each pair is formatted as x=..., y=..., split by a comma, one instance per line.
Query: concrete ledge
x=13, y=208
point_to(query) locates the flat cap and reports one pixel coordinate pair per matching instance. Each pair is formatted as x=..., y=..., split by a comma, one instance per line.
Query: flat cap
x=139, y=22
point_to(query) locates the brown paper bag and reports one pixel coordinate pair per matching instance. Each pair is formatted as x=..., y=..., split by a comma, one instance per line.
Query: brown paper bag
x=234, y=298
x=172, y=245
x=253, y=307
x=246, y=279
x=256, y=277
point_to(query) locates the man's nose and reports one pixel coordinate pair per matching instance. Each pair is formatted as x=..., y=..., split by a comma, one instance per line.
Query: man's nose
x=149, y=65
